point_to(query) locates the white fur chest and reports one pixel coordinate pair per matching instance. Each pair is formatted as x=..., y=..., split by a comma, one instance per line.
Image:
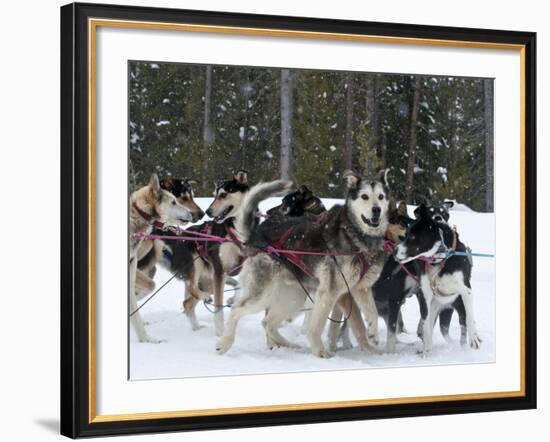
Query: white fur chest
x=230, y=255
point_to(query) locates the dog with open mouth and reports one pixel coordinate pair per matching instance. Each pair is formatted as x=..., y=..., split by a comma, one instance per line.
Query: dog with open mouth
x=444, y=276
x=349, y=240
x=203, y=265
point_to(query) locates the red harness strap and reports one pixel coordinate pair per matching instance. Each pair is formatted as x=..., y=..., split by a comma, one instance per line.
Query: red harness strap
x=364, y=264
x=200, y=245
x=147, y=217
x=292, y=257
x=234, y=238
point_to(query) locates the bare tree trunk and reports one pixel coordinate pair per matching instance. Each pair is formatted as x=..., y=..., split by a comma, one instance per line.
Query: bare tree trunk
x=372, y=128
x=413, y=140
x=286, y=123
x=488, y=88
x=348, y=156
x=208, y=133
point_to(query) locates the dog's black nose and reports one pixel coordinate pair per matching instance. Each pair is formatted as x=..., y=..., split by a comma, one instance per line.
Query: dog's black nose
x=209, y=212
x=198, y=215
x=376, y=211
x=401, y=238
x=438, y=218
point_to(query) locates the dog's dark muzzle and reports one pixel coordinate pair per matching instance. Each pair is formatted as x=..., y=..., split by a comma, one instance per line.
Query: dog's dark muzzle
x=197, y=216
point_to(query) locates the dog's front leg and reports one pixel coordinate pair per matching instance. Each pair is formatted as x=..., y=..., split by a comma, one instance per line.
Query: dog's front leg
x=252, y=300
x=371, y=315
x=368, y=308
x=356, y=323
x=394, y=309
x=193, y=294
x=427, y=320
x=473, y=337
x=218, y=277
x=334, y=328
x=135, y=318
x=461, y=311
x=324, y=303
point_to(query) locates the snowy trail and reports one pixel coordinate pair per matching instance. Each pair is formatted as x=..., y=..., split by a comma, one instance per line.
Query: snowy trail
x=192, y=354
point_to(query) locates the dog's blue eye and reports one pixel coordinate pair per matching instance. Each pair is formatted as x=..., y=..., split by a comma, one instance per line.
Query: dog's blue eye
x=365, y=196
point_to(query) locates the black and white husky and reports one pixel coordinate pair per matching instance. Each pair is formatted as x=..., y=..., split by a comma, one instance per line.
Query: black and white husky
x=443, y=278
x=440, y=213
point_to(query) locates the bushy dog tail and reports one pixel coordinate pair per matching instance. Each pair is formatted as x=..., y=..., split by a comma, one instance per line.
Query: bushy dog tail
x=255, y=195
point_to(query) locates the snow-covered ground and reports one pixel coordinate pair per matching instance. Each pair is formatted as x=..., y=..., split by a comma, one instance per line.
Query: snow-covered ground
x=185, y=353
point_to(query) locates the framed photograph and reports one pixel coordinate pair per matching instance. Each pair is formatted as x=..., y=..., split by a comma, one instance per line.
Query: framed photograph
x=276, y=220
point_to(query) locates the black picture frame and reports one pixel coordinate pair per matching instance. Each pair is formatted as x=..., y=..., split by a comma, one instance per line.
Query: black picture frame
x=75, y=220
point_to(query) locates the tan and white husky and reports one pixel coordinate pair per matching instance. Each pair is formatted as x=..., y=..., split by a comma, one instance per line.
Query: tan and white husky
x=150, y=206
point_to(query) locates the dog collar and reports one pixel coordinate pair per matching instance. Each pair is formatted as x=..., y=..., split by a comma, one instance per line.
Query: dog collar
x=148, y=217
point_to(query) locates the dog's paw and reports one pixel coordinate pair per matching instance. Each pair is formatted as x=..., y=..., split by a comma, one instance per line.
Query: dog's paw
x=367, y=347
x=196, y=327
x=324, y=354
x=346, y=345
x=223, y=346
x=149, y=340
x=374, y=339
x=424, y=353
x=475, y=342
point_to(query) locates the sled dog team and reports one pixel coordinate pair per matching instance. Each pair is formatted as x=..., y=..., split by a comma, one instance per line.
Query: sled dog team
x=347, y=265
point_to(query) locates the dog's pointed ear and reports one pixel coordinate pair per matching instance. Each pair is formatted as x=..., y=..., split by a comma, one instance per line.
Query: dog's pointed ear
x=154, y=185
x=191, y=181
x=382, y=176
x=448, y=204
x=304, y=190
x=352, y=179
x=402, y=208
x=167, y=183
x=241, y=176
x=421, y=212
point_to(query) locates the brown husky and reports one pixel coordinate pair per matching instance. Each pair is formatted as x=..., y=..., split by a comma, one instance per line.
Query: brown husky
x=149, y=206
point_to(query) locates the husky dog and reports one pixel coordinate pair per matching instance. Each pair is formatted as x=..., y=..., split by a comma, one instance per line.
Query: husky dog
x=440, y=214
x=298, y=203
x=397, y=228
x=443, y=279
x=352, y=235
x=204, y=265
x=149, y=206
x=150, y=250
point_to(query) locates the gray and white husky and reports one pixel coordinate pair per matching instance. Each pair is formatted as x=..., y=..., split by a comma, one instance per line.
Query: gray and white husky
x=353, y=235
